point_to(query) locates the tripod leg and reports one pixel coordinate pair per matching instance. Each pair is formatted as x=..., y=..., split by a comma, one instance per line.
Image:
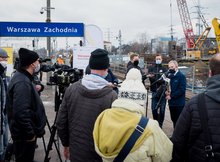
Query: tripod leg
x=44, y=144
x=159, y=106
x=49, y=146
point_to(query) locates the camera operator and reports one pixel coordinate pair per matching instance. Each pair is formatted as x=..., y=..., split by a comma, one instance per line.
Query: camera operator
x=25, y=109
x=157, y=87
x=176, y=94
x=82, y=103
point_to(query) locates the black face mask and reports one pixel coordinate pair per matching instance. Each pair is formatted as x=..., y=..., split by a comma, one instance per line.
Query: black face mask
x=172, y=71
x=136, y=62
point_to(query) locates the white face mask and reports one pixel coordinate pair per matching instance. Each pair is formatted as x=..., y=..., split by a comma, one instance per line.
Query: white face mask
x=36, y=70
x=158, y=61
x=105, y=75
x=4, y=63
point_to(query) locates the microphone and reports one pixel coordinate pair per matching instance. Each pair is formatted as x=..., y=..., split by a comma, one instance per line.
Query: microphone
x=165, y=78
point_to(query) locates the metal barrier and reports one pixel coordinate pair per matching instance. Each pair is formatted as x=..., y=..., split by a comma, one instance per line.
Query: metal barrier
x=196, y=77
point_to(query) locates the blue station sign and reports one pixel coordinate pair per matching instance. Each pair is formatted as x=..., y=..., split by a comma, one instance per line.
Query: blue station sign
x=40, y=29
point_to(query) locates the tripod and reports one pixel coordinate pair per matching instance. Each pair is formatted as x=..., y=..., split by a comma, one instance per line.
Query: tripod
x=159, y=101
x=59, y=92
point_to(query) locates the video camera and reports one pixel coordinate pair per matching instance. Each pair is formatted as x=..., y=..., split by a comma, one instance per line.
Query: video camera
x=62, y=74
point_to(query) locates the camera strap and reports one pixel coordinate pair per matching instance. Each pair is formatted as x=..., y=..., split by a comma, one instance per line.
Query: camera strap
x=132, y=139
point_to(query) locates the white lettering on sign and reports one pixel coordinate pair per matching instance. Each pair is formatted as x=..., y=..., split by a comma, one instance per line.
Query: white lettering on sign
x=46, y=30
x=23, y=30
x=60, y=30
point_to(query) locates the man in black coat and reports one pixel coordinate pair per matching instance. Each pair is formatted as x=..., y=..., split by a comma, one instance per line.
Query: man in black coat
x=25, y=109
x=189, y=138
x=157, y=87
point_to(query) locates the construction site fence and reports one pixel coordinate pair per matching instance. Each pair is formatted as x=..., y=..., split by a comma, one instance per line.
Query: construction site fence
x=196, y=77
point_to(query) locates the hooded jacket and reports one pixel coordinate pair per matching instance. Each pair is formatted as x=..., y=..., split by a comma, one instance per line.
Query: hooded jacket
x=114, y=126
x=82, y=103
x=188, y=136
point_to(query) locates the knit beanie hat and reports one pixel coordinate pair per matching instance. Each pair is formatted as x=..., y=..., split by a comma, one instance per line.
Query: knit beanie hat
x=132, y=88
x=27, y=57
x=99, y=60
x=3, y=53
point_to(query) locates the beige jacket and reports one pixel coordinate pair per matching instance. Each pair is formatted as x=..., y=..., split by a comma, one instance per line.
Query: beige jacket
x=112, y=128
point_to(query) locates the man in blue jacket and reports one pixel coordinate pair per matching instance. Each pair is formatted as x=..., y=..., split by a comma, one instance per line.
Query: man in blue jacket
x=176, y=95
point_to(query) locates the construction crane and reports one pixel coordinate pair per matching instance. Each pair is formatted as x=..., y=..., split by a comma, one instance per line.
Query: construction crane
x=186, y=23
x=216, y=27
x=193, y=47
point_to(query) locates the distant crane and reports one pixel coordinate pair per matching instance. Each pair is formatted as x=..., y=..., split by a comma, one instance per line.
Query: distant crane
x=193, y=47
x=186, y=23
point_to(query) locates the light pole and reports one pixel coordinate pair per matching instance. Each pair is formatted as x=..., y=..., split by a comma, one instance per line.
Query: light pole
x=48, y=20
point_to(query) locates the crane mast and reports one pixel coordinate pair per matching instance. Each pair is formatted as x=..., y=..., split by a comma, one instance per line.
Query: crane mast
x=186, y=23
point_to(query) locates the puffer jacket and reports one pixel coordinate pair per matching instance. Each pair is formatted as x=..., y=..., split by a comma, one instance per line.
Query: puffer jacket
x=114, y=126
x=188, y=137
x=26, y=113
x=76, y=117
x=3, y=89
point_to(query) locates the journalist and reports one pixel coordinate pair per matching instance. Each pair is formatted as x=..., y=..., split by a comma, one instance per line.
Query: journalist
x=82, y=103
x=114, y=127
x=25, y=109
x=3, y=115
x=134, y=63
x=158, y=88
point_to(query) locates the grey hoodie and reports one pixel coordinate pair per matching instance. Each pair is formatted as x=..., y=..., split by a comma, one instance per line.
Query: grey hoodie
x=213, y=87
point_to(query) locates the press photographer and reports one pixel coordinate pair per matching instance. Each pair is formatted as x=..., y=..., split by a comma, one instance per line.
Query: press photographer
x=157, y=87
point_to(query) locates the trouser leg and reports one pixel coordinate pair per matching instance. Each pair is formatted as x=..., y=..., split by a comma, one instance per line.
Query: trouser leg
x=162, y=111
x=154, y=106
x=24, y=151
x=175, y=112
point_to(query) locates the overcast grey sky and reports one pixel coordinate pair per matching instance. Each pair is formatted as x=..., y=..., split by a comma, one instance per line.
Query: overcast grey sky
x=132, y=17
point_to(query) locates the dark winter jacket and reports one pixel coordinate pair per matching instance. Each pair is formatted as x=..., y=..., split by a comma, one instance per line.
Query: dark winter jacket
x=25, y=109
x=3, y=89
x=188, y=137
x=178, y=90
x=79, y=109
x=157, y=70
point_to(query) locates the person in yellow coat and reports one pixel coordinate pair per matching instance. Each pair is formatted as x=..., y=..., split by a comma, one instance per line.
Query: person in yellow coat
x=114, y=126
